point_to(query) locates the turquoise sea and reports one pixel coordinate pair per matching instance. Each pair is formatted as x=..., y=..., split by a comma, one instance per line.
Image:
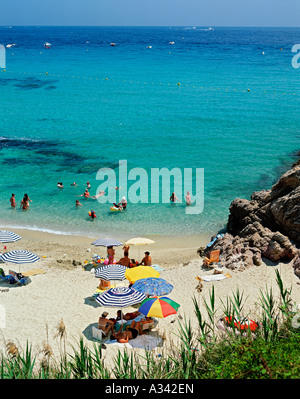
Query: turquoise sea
x=82, y=105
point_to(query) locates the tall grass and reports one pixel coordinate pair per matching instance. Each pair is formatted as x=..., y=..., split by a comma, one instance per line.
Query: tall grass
x=272, y=351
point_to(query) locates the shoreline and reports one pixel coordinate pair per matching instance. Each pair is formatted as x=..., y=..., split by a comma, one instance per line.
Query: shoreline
x=166, y=250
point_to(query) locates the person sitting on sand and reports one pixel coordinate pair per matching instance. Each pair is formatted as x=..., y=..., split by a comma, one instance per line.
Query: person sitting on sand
x=13, y=201
x=132, y=332
x=125, y=261
x=147, y=261
x=104, y=324
x=133, y=263
x=78, y=203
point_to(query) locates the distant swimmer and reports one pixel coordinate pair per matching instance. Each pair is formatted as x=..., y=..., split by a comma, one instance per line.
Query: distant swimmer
x=173, y=198
x=60, y=185
x=188, y=198
x=13, y=201
x=88, y=185
x=78, y=203
x=74, y=184
x=92, y=215
x=86, y=194
x=100, y=194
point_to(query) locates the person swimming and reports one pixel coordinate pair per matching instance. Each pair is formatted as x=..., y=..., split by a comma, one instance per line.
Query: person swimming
x=78, y=203
x=60, y=185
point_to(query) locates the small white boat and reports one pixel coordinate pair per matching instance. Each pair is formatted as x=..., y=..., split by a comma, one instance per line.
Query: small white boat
x=10, y=45
x=210, y=28
x=149, y=47
x=171, y=42
x=112, y=44
x=47, y=45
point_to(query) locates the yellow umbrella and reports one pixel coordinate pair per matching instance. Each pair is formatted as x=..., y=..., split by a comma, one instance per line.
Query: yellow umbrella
x=139, y=241
x=139, y=272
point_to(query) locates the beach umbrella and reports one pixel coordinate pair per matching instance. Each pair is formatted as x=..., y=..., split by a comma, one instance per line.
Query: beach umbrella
x=158, y=307
x=107, y=242
x=139, y=272
x=8, y=236
x=120, y=297
x=111, y=272
x=139, y=241
x=19, y=257
x=153, y=286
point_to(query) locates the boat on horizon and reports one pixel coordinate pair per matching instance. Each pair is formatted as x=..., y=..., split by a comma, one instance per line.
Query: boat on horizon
x=47, y=45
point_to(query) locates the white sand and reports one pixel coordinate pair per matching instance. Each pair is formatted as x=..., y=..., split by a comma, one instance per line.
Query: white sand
x=33, y=312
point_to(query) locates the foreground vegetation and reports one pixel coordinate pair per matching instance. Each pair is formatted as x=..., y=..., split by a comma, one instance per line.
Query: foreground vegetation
x=270, y=352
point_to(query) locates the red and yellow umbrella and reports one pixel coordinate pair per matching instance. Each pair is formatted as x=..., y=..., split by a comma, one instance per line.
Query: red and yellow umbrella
x=158, y=307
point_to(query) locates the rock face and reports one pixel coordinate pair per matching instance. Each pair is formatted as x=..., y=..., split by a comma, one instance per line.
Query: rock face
x=267, y=225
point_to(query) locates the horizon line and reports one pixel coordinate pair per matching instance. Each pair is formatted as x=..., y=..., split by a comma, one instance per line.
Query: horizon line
x=152, y=26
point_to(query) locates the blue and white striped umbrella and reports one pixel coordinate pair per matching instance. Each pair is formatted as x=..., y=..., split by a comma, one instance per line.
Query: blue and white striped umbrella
x=120, y=297
x=111, y=272
x=107, y=242
x=19, y=257
x=8, y=236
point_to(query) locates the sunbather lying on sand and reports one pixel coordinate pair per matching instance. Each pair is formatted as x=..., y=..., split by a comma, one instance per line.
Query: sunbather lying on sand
x=132, y=332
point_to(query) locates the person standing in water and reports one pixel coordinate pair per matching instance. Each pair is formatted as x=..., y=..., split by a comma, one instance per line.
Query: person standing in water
x=13, y=201
x=188, y=200
x=173, y=198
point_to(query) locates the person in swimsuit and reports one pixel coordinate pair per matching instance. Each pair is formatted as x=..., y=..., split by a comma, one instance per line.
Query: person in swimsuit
x=78, y=203
x=147, y=261
x=125, y=261
x=173, y=198
x=25, y=202
x=111, y=254
x=104, y=324
x=188, y=200
x=86, y=194
x=13, y=201
x=132, y=332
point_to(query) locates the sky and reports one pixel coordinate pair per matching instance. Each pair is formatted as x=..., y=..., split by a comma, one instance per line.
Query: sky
x=263, y=13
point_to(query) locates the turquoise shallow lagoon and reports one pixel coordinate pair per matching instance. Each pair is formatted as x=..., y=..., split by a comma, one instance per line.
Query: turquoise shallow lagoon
x=83, y=105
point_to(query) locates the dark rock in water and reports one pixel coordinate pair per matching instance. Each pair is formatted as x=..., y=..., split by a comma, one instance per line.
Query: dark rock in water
x=267, y=225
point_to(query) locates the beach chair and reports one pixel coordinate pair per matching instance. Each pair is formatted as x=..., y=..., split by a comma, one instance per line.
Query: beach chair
x=19, y=278
x=6, y=278
x=213, y=258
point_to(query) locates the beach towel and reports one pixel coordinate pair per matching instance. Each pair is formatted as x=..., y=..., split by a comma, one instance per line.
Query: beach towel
x=214, y=240
x=215, y=277
x=147, y=342
x=33, y=272
x=157, y=267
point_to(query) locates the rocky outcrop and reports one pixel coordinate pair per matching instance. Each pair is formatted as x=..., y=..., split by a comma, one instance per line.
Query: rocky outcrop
x=267, y=225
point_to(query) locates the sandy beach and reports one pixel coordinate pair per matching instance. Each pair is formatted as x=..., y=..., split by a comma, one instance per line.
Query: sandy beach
x=65, y=292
